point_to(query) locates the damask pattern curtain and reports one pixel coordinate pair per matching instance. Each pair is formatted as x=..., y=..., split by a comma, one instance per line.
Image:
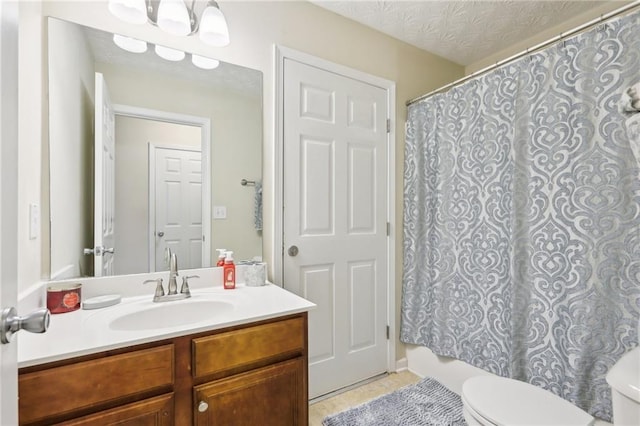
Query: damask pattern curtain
x=522, y=218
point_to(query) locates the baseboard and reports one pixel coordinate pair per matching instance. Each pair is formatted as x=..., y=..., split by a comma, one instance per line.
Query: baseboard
x=402, y=364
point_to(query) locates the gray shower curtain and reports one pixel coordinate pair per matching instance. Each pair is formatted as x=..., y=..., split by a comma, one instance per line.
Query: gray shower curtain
x=522, y=218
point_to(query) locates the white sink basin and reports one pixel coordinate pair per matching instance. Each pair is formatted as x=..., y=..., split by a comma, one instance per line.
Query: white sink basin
x=170, y=314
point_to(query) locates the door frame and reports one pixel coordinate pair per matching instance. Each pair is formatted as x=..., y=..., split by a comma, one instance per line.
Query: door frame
x=205, y=148
x=281, y=53
x=151, y=151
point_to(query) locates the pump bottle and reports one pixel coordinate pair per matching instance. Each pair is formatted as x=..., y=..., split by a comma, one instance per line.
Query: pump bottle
x=221, y=255
x=229, y=271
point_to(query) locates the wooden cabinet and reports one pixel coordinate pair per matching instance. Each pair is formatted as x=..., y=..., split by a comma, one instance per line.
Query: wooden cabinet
x=268, y=396
x=244, y=375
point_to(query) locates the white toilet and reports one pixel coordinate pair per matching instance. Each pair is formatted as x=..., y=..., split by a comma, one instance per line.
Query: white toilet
x=493, y=400
x=624, y=379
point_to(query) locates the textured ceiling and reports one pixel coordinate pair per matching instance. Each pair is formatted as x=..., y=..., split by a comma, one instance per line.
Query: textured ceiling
x=463, y=31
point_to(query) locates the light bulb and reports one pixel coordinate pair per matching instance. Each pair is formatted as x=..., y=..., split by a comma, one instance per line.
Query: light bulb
x=204, y=62
x=131, y=11
x=169, y=54
x=173, y=17
x=130, y=44
x=213, y=27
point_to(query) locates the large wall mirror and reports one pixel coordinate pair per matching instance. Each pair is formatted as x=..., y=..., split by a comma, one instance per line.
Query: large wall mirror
x=179, y=149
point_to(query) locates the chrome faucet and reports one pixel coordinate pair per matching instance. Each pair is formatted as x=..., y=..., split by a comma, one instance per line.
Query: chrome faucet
x=173, y=272
x=172, y=293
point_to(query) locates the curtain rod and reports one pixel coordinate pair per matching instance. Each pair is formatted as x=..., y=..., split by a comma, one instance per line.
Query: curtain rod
x=525, y=52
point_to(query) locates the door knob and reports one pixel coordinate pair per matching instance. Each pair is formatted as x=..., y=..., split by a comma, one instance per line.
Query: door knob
x=293, y=251
x=35, y=322
x=203, y=406
x=160, y=234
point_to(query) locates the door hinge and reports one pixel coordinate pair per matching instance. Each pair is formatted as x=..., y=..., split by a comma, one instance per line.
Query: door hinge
x=388, y=125
x=203, y=238
x=388, y=229
x=388, y=332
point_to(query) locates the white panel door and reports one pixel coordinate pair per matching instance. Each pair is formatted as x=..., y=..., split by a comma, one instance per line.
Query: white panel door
x=105, y=181
x=178, y=206
x=9, y=202
x=335, y=177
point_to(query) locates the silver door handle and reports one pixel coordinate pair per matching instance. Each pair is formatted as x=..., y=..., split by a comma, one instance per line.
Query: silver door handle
x=293, y=251
x=98, y=251
x=160, y=234
x=35, y=322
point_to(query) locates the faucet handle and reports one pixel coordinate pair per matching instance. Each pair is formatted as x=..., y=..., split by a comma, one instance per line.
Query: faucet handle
x=159, y=290
x=185, y=284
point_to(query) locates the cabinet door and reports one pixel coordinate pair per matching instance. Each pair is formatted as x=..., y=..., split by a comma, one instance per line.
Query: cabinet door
x=269, y=396
x=156, y=411
x=88, y=386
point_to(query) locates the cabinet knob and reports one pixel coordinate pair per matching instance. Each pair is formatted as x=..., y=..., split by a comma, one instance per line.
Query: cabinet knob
x=203, y=406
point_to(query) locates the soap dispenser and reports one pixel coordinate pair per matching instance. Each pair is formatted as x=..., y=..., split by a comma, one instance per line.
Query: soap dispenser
x=221, y=255
x=229, y=271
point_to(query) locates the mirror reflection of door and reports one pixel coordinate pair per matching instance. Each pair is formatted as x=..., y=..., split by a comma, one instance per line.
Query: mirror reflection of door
x=175, y=205
x=137, y=194
x=104, y=183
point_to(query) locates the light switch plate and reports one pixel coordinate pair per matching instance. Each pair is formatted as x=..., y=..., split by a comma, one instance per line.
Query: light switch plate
x=34, y=221
x=219, y=212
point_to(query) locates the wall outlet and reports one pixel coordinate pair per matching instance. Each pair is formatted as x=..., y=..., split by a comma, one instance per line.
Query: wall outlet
x=219, y=212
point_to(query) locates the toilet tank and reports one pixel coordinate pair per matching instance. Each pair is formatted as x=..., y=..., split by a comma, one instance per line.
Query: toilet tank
x=624, y=379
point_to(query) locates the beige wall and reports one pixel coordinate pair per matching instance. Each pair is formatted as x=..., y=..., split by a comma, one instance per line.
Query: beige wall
x=32, y=134
x=71, y=92
x=545, y=35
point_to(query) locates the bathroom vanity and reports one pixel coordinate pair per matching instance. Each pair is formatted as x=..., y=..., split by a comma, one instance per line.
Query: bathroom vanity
x=246, y=366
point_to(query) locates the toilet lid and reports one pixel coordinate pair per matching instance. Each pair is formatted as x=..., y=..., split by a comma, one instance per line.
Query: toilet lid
x=505, y=401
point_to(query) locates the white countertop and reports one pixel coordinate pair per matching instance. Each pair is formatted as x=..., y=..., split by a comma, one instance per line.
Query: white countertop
x=84, y=332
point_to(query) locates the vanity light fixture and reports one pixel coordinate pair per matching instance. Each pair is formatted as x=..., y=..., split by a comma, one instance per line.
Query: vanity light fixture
x=176, y=18
x=139, y=46
x=131, y=11
x=169, y=54
x=204, y=62
x=130, y=44
x=213, y=26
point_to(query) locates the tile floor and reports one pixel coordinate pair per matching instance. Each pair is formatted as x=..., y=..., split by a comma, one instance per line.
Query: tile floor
x=360, y=395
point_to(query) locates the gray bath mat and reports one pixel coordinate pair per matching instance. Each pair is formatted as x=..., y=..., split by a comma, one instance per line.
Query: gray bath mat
x=426, y=403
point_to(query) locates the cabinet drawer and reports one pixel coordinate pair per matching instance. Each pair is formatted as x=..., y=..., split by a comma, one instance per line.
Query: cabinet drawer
x=88, y=384
x=241, y=348
x=156, y=411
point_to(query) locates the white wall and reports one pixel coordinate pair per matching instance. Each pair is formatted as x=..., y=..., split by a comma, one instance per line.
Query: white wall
x=71, y=89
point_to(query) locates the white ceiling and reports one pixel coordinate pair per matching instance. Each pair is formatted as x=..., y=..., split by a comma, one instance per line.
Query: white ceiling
x=463, y=31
